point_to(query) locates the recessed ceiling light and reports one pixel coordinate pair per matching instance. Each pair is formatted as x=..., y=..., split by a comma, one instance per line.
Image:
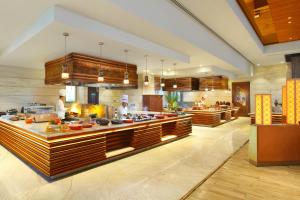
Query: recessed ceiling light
x=290, y=38
x=256, y=16
x=257, y=64
x=289, y=18
x=289, y=22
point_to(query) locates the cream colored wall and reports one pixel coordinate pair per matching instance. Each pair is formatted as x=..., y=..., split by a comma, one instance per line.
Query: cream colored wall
x=269, y=80
x=19, y=86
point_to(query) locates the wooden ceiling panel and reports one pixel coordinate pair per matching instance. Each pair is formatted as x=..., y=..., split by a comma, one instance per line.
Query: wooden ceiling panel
x=275, y=21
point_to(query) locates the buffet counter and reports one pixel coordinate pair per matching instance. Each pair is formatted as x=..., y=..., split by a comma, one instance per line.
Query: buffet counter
x=60, y=153
x=276, y=144
x=213, y=117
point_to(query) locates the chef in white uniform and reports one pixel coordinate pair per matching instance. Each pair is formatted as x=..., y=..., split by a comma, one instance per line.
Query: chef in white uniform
x=60, y=106
x=123, y=109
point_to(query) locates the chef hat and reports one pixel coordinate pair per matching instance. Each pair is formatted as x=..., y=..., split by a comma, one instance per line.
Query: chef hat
x=124, y=98
x=62, y=92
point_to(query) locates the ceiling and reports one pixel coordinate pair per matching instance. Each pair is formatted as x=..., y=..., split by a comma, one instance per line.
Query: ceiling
x=274, y=21
x=220, y=42
x=228, y=21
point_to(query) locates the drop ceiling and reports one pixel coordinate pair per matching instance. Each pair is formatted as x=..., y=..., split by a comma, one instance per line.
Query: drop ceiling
x=171, y=34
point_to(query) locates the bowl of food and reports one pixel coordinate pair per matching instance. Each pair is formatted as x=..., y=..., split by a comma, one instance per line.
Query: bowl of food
x=102, y=121
x=171, y=115
x=75, y=127
x=87, y=125
x=159, y=116
x=128, y=120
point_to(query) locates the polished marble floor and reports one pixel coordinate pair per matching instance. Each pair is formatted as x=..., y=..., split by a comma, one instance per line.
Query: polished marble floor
x=166, y=172
x=239, y=180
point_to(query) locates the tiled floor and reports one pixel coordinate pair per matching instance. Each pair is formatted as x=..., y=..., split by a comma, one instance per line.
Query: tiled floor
x=238, y=179
x=167, y=172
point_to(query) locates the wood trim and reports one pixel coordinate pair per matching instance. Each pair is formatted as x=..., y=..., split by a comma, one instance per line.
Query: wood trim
x=55, y=157
x=278, y=144
x=83, y=69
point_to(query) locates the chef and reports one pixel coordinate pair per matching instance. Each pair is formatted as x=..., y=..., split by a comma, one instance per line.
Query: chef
x=60, y=106
x=123, y=110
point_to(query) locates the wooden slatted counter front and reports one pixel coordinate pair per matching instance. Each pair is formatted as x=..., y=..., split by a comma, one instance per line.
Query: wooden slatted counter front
x=213, y=118
x=59, y=154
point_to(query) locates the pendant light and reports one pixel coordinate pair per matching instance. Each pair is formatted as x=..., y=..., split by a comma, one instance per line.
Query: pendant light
x=162, y=80
x=146, y=81
x=212, y=85
x=64, y=72
x=206, y=83
x=175, y=82
x=101, y=72
x=126, y=80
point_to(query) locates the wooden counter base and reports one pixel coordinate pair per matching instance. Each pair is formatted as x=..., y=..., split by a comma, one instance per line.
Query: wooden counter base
x=59, y=157
x=275, y=145
x=212, y=118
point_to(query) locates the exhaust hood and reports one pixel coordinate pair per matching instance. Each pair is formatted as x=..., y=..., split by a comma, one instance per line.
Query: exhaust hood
x=83, y=71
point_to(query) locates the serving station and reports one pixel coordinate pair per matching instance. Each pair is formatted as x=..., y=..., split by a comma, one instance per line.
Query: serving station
x=57, y=154
x=276, y=138
x=213, y=117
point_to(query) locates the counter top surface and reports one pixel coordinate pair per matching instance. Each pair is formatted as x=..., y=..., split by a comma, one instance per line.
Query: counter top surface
x=39, y=129
x=210, y=111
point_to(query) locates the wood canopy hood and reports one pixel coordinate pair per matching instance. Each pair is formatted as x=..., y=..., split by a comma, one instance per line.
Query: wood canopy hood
x=84, y=69
x=215, y=82
x=183, y=84
x=193, y=84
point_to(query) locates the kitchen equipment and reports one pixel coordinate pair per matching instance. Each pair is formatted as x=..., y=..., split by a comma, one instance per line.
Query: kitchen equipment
x=2, y=113
x=37, y=108
x=12, y=111
x=102, y=121
x=116, y=121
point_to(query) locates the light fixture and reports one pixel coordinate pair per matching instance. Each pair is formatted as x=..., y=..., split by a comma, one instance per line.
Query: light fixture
x=284, y=100
x=263, y=111
x=162, y=80
x=206, y=85
x=289, y=22
x=65, y=73
x=257, y=64
x=126, y=79
x=293, y=101
x=146, y=81
x=101, y=72
x=175, y=82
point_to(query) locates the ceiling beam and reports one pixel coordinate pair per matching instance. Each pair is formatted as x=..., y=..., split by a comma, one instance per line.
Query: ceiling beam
x=165, y=15
x=57, y=14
